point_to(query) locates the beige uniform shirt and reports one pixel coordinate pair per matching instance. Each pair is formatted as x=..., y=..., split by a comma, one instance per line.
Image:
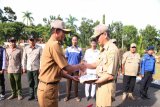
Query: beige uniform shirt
x=31, y=58
x=52, y=61
x=108, y=60
x=14, y=57
x=131, y=63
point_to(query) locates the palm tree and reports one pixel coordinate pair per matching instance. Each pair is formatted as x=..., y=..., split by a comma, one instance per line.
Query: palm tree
x=27, y=17
x=71, y=20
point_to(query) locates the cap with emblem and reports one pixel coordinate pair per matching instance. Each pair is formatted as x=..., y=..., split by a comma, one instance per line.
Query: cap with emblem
x=31, y=37
x=133, y=45
x=150, y=48
x=12, y=39
x=99, y=29
x=59, y=24
x=113, y=40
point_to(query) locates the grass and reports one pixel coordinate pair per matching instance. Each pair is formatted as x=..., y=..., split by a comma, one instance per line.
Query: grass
x=157, y=73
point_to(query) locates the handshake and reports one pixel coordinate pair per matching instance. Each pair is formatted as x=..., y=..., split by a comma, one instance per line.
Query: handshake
x=83, y=67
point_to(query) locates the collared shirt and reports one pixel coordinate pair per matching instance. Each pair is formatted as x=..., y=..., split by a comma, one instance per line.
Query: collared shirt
x=148, y=64
x=14, y=57
x=3, y=55
x=131, y=63
x=91, y=56
x=108, y=60
x=74, y=55
x=31, y=58
x=52, y=62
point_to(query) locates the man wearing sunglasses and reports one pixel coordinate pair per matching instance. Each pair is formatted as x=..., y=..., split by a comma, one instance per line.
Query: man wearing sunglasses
x=130, y=68
x=31, y=64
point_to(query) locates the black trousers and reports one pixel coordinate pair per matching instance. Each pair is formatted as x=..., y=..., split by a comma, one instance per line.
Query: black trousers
x=128, y=83
x=145, y=83
x=2, y=84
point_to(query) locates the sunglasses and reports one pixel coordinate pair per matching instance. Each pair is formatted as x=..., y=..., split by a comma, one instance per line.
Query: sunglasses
x=98, y=36
x=13, y=41
x=31, y=39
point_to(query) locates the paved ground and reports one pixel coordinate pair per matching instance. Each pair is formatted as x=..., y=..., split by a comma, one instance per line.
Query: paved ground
x=154, y=93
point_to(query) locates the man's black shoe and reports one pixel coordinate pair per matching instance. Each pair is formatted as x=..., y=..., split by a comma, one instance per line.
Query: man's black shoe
x=31, y=98
x=146, y=96
x=87, y=98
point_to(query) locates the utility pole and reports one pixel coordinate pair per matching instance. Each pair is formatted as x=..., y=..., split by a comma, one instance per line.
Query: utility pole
x=103, y=20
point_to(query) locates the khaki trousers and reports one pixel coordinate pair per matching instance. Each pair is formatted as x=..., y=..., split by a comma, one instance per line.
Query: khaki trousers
x=47, y=95
x=104, y=94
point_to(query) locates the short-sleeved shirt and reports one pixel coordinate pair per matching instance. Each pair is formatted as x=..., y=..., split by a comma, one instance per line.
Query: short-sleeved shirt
x=131, y=63
x=52, y=62
x=91, y=56
x=108, y=60
x=14, y=57
x=74, y=55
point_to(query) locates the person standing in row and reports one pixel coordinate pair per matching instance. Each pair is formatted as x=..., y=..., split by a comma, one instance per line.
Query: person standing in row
x=52, y=64
x=2, y=69
x=14, y=57
x=31, y=65
x=130, y=69
x=91, y=56
x=147, y=70
x=74, y=56
x=106, y=66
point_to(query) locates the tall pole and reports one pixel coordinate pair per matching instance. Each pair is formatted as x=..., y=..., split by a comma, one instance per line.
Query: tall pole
x=122, y=41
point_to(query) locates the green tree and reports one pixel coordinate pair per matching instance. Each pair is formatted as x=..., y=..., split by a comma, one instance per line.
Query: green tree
x=150, y=36
x=8, y=15
x=104, y=20
x=11, y=29
x=70, y=24
x=47, y=21
x=116, y=31
x=27, y=17
x=86, y=31
x=130, y=32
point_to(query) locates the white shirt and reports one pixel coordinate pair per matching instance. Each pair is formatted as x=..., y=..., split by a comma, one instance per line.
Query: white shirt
x=91, y=57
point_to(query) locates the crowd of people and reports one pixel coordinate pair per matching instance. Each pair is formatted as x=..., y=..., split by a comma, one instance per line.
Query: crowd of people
x=45, y=68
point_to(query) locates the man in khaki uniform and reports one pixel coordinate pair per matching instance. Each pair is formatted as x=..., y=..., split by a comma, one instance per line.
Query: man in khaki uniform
x=130, y=68
x=52, y=64
x=14, y=57
x=106, y=66
x=31, y=64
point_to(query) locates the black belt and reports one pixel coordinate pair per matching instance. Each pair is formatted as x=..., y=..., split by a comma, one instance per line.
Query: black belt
x=148, y=72
x=50, y=83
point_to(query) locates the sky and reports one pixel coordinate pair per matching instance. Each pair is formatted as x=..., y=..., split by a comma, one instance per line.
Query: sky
x=130, y=12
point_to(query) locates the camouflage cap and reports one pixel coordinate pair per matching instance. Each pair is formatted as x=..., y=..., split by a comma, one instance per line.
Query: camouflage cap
x=99, y=29
x=59, y=24
x=133, y=45
x=113, y=40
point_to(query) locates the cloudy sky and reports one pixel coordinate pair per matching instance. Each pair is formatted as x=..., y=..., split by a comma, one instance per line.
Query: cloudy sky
x=130, y=12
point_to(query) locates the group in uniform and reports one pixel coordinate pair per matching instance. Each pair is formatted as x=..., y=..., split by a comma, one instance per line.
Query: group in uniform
x=46, y=68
